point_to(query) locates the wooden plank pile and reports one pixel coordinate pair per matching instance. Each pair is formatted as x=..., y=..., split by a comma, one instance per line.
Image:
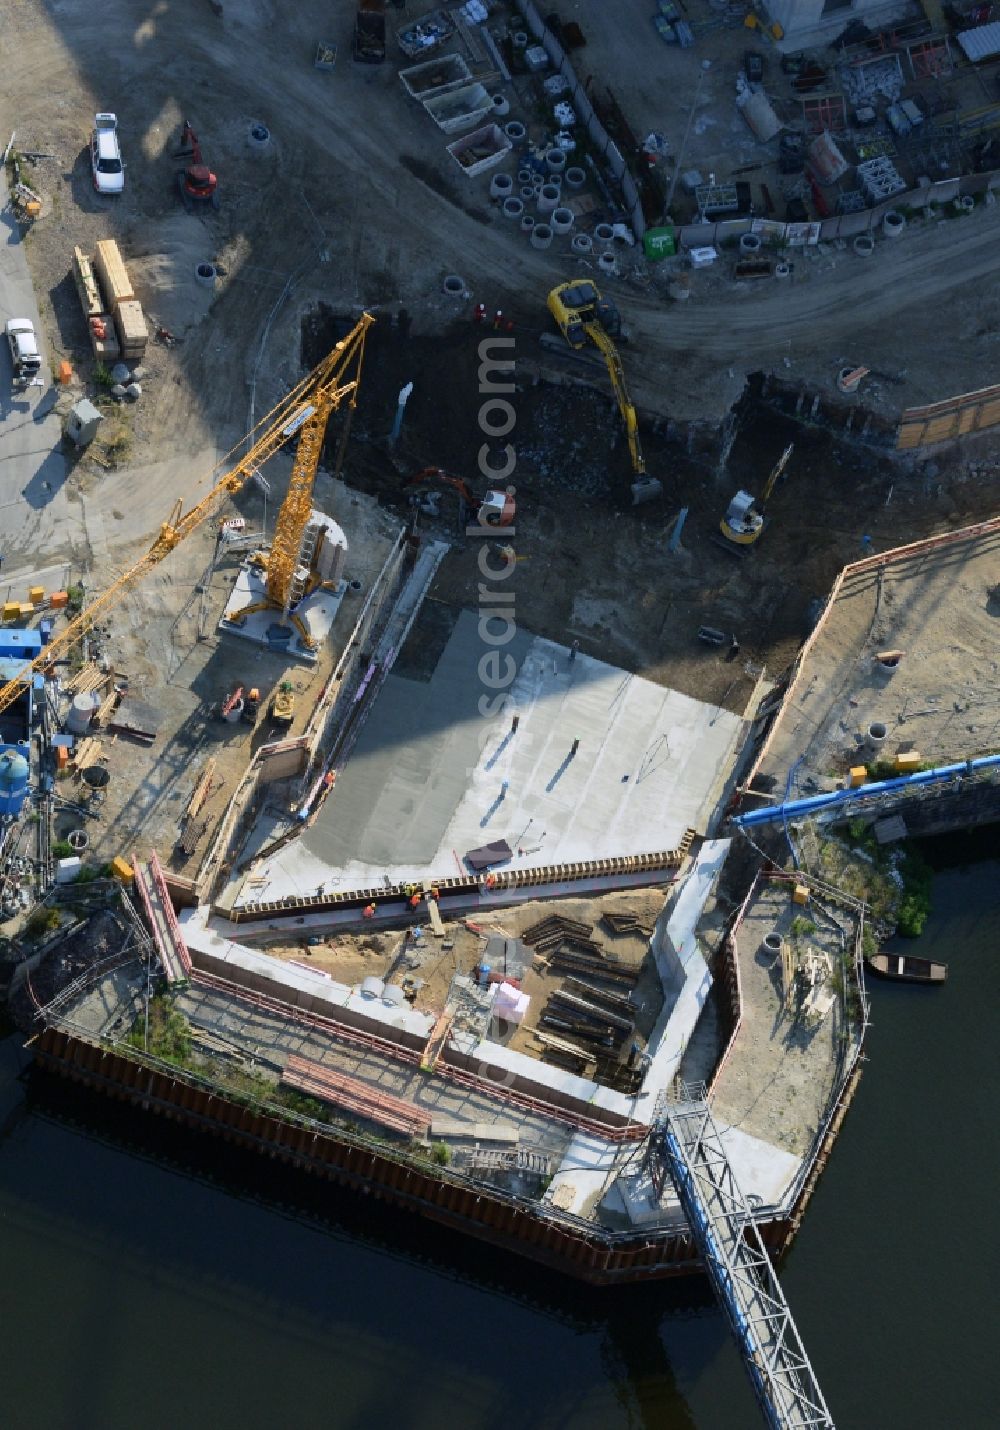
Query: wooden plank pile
x=351, y=1095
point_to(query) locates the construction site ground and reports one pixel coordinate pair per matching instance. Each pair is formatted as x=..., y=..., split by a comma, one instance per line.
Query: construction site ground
x=390, y=955
x=162, y=642
x=780, y=1074
x=940, y=609
x=337, y=213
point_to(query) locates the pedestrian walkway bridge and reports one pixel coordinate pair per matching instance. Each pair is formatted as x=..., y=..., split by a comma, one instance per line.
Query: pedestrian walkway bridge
x=738, y=1265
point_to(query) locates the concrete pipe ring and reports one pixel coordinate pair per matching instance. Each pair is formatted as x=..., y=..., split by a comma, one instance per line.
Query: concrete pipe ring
x=604, y=235
x=849, y=379
x=548, y=198
x=501, y=186
x=501, y=106
x=555, y=160
x=454, y=286
x=205, y=274
x=575, y=178
x=527, y=223
x=354, y=586
x=519, y=39
x=607, y=264
x=541, y=235
x=512, y=208
x=965, y=204
x=893, y=223
x=259, y=137
x=515, y=131
x=524, y=176
x=528, y=193
x=77, y=839
x=782, y=270
x=582, y=243
x=877, y=733
x=772, y=944
x=864, y=245
x=561, y=220
x=749, y=243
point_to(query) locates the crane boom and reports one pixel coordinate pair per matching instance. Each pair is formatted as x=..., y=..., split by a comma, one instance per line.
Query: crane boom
x=321, y=388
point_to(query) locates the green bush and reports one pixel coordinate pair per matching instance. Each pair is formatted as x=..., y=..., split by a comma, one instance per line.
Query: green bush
x=440, y=1155
x=801, y=928
x=41, y=921
x=915, y=905
x=62, y=849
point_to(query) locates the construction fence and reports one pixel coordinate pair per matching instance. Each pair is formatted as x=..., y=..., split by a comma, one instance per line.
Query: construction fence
x=596, y=132
x=953, y=417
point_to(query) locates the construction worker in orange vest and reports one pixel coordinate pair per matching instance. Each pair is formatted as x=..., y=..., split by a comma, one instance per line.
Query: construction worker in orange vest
x=414, y=901
x=368, y=912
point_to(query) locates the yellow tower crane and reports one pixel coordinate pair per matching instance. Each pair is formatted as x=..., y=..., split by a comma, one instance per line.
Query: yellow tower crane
x=298, y=413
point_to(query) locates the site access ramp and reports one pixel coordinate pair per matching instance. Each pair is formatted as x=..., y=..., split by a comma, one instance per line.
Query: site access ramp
x=733, y=1253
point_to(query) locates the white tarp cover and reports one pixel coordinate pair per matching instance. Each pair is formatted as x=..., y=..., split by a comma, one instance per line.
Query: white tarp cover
x=759, y=113
x=982, y=43
x=510, y=1003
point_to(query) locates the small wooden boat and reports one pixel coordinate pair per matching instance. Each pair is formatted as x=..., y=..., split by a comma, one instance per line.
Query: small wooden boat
x=906, y=968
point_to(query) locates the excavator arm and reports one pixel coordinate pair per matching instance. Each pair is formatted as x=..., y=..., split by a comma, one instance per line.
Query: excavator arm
x=616, y=372
x=320, y=389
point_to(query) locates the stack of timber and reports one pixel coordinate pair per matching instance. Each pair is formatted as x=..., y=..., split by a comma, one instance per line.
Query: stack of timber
x=100, y=324
x=356, y=1097
x=122, y=304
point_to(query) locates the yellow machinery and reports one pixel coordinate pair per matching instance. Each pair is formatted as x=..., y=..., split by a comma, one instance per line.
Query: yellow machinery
x=743, y=522
x=289, y=562
x=583, y=317
x=320, y=392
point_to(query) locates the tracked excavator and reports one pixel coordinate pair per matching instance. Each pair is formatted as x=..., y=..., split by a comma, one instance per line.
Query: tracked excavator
x=585, y=318
x=496, y=508
x=744, y=521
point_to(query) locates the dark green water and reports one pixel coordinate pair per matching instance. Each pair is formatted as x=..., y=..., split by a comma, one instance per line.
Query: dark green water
x=155, y=1283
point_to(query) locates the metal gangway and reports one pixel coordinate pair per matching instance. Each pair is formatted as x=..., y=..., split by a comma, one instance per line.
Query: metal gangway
x=738, y=1265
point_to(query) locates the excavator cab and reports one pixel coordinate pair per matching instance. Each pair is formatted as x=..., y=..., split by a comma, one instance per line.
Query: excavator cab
x=573, y=305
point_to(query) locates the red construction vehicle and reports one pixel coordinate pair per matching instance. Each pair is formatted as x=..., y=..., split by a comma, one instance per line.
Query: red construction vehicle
x=496, y=508
x=196, y=184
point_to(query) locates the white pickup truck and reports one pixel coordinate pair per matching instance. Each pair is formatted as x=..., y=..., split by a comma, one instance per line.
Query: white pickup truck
x=25, y=358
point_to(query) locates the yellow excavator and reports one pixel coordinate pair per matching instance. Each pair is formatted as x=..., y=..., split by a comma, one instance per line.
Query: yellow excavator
x=324, y=389
x=583, y=318
x=743, y=523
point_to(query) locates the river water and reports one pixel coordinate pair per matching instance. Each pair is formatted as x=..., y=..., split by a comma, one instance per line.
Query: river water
x=148, y=1279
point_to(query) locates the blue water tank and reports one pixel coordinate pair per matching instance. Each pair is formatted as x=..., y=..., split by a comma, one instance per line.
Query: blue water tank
x=13, y=782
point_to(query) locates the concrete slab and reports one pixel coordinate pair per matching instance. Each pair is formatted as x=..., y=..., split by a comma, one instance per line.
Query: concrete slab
x=439, y=767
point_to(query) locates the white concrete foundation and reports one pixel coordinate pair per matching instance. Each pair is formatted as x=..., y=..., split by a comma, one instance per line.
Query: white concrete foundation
x=317, y=613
